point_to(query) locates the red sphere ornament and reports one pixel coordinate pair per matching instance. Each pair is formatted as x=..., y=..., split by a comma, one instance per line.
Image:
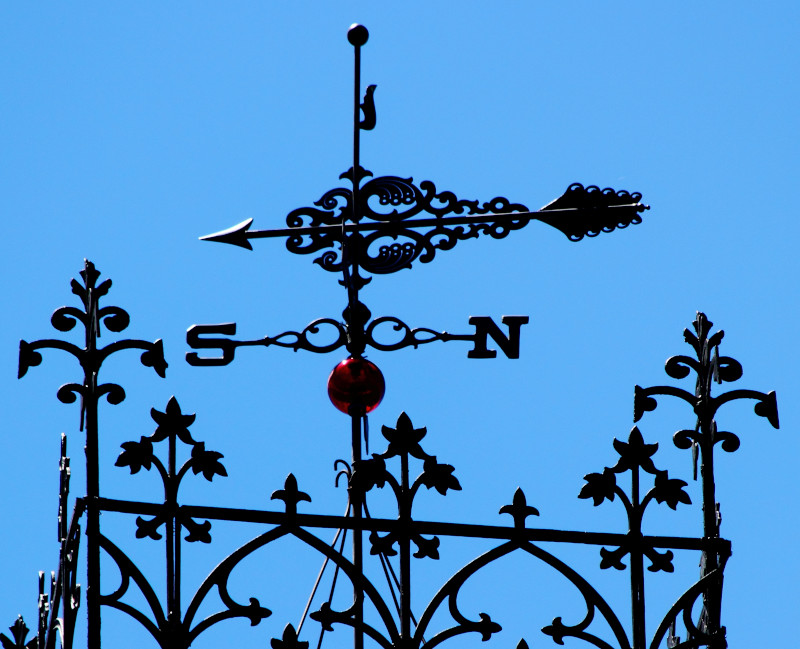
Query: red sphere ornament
x=356, y=382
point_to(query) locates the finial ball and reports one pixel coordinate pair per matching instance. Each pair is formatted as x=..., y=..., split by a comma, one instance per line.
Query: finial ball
x=357, y=35
x=356, y=382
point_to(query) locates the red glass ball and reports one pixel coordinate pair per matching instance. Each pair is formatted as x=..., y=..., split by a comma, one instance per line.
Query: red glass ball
x=356, y=382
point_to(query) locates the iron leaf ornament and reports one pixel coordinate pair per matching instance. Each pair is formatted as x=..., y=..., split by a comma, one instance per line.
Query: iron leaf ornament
x=19, y=632
x=173, y=426
x=635, y=457
x=168, y=623
x=93, y=318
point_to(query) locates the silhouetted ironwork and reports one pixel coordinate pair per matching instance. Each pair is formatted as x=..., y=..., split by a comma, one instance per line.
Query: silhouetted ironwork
x=175, y=625
x=387, y=223
x=173, y=621
x=93, y=317
x=580, y=212
x=199, y=337
x=709, y=368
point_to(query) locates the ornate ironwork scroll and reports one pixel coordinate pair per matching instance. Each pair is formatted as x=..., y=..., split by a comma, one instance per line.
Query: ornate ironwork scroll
x=406, y=538
x=635, y=457
x=169, y=627
x=709, y=368
x=381, y=225
x=388, y=234
x=57, y=605
x=386, y=333
x=402, y=535
x=93, y=318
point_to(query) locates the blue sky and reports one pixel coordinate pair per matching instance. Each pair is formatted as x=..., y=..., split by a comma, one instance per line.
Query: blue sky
x=128, y=132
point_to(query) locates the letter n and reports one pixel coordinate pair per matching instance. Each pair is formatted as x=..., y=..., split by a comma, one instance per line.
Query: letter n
x=485, y=328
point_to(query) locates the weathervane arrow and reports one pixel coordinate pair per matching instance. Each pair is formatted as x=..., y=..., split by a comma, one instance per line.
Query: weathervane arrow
x=579, y=212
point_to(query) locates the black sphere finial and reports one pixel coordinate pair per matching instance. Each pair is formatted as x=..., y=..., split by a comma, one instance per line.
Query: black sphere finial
x=357, y=35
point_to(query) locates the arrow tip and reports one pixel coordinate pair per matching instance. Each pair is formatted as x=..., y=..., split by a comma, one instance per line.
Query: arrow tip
x=236, y=235
x=587, y=211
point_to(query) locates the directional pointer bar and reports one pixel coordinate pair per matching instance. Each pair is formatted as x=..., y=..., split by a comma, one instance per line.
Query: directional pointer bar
x=575, y=229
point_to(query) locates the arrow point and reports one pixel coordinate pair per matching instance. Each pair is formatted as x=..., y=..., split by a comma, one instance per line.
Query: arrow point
x=236, y=235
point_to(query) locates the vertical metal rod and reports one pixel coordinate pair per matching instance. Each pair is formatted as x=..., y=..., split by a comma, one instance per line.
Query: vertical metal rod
x=637, y=566
x=356, y=121
x=59, y=604
x=357, y=35
x=92, y=517
x=92, y=467
x=177, y=587
x=354, y=36
x=358, y=547
x=405, y=553
x=713, y=595
x=171, y=559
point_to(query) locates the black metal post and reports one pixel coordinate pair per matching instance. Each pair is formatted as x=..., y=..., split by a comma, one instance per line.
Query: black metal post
x=357, y=504
x=405, y=552
x=173, y=542
x=92, y=522
x=89, y=405
x=357, y=36
x=712, y=597
x=90, y=391
x=637, y=564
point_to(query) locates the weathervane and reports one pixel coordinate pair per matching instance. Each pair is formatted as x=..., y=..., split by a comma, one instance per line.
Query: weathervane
x=347, y=228
x=384, y=225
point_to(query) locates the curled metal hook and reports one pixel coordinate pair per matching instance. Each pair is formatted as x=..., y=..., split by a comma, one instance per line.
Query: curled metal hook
x=346, y=471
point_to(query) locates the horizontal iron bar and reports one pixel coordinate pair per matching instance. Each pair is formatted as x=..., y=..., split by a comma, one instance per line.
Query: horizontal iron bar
x=421, y=223
x=466, y=530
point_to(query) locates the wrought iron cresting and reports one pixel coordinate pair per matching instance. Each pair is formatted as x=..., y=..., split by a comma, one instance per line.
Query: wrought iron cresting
x=346, y=239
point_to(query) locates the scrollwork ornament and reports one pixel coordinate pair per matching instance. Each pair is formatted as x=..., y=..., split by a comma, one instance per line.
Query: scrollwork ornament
x=304, y=340
x=395, y=192
x=91, y=357
x=408, y=337
x=391, y=202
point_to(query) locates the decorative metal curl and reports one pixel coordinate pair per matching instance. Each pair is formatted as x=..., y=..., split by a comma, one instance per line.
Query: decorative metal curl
x=709, y=368
x=294, y=340
x=167, y=629
x=408, y=201
x=91, y=357
x=93, y=318
x=199, y=337
x=382, y=235
x=698, y=633
x=408, y=337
